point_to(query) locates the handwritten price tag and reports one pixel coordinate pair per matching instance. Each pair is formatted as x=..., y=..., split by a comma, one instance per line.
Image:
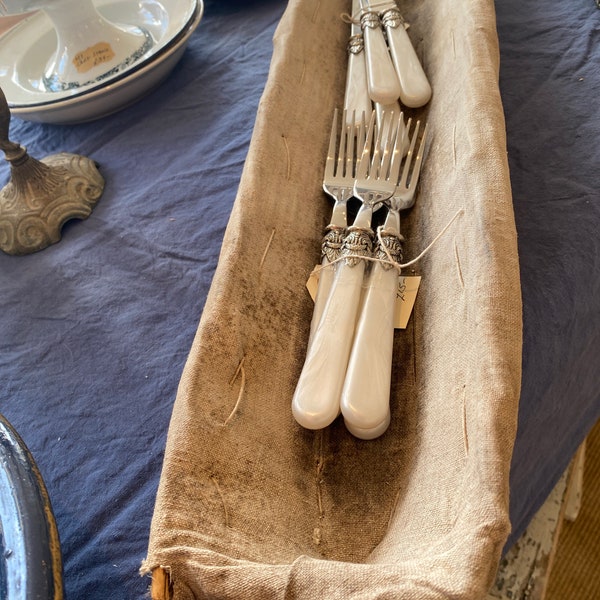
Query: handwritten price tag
x=93, y=56
x=405, y=298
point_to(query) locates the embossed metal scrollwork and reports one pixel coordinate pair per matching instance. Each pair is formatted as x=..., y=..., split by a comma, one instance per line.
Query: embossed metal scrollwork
x=393, y=245
x=370, y=19
x=392, y=18
x=357, y=244
x=42, y=195
x=333, y=241
x=356, y=44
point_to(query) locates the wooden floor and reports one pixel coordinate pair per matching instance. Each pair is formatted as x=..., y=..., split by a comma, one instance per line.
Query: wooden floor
x=576, y=569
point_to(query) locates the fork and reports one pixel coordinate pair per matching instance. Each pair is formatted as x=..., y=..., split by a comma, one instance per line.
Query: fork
x=338, y=182
x=365, y=396
x=316, y=401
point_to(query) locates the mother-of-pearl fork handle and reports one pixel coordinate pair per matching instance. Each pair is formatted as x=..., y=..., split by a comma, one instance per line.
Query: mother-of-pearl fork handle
x=326, y=275
x=316, y=401
x=365, y=399
x=415, y=89
x=382, y=79
x=356, y=99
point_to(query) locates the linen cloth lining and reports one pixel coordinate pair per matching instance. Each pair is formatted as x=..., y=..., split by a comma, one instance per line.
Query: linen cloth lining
x=250, y=504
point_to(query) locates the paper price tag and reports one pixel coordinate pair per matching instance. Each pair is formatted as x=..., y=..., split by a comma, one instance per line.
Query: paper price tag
x=93, y=56
x=313, y=283
x=405, y=298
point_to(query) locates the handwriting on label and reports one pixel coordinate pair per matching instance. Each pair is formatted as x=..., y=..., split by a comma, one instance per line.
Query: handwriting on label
x=93, y=56
x=405, y=298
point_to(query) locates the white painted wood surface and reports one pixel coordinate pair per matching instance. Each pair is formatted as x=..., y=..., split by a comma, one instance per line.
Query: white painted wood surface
x=575, y=488
x=524, y=571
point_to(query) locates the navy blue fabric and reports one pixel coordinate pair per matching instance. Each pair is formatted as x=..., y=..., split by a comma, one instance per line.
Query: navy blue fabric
x=550, y=85
x=94, y=331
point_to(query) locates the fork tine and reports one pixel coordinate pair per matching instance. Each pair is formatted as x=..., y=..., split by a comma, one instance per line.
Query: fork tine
x=388, y=131
x=349, y=150
x=410, y=153
x=330, y=161
x=359, y=134
x=341, y=156
x=399, y=133
x=365, y=159
x=418, y=159
x=379, y=160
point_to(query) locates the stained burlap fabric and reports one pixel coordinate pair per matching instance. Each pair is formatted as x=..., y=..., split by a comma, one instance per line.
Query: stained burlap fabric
x=250, y=505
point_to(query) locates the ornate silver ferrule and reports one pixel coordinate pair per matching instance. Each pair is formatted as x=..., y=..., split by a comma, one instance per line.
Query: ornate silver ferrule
x=356, y=44
x=393, y=245
x=370, y=19
x=331, y=246
x=392, y=18
x=358, y=243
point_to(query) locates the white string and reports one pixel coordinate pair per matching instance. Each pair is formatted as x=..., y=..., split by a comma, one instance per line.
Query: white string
x=401, y=266
x=354, y=19
x=349, y=18
x=391, y=261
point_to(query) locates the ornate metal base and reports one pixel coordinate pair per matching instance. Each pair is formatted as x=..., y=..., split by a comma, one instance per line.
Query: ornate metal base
x=42, y=195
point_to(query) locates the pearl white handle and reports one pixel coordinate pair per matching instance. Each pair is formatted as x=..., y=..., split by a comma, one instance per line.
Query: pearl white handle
x=366, y=393
x=373, y=432
x=316, y=401
x=356, y=100
x=382, y=80
x=326, y=275
x=415, y=89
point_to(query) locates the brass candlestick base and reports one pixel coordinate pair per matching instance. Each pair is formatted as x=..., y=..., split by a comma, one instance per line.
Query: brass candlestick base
x=42, y=195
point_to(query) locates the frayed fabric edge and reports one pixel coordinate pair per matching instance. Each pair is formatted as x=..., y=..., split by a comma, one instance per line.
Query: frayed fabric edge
x=161, y=587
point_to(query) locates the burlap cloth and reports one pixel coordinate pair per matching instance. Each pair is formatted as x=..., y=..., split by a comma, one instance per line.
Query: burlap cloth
x=250, y=505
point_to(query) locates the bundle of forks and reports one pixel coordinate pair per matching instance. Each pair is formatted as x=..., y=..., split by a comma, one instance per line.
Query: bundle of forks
x=348, y=362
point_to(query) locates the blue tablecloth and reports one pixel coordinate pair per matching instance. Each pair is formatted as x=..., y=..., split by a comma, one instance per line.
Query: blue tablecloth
x=550, y=86
x=95, y=330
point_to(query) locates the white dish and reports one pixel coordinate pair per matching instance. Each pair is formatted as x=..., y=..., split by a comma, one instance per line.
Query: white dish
x=26, y=48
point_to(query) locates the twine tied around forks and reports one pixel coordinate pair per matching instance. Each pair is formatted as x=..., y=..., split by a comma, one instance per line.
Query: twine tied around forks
x=392, y=15
x=390, y=260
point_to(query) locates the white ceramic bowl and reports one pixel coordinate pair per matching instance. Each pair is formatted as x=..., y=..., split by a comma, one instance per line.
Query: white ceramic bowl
x=25, y=48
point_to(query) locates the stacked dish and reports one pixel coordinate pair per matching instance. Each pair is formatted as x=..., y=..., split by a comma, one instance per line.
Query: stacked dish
x=25, y=50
